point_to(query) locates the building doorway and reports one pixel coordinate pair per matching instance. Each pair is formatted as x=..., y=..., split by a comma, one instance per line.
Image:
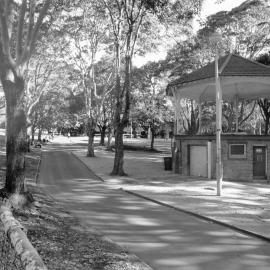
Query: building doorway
x=198, y=160
x=259, y=162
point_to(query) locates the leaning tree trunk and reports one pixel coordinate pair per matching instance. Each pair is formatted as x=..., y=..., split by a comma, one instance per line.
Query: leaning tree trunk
x=16, y=143
x=91, y=127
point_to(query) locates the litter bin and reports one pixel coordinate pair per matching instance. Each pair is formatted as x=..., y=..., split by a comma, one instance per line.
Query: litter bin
x=168, y=163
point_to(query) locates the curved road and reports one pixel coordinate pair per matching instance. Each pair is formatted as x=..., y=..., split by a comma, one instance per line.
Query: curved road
x=163, y=238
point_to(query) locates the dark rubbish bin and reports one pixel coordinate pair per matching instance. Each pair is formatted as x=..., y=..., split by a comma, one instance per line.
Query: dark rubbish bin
x=168, y=163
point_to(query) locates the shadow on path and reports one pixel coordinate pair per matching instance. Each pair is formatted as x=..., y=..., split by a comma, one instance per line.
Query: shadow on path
x=162, y=237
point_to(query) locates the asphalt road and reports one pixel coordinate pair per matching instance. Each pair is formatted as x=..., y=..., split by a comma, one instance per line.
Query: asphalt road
x=164, y=238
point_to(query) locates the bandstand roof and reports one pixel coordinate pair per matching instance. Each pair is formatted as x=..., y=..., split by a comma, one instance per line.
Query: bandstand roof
x=238, y=77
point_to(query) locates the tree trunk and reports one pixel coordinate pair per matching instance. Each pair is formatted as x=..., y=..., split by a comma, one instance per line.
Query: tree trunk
x=102, y=135
x=119, y=124
x=122, y=103
x=266, y=124
x=16, y=140
x=91, y=127
x=152, y=138
x=90, y=146
x=230, y=125
x=109, y=138
x=39, y=134
x=118, y=167
x=32, y=133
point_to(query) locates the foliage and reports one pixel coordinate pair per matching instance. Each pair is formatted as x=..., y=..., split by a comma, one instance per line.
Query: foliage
x=20, y=23
x=243, y=28
x=85, y=30
x=244, y=31
x=151, y=109
x=135, y=26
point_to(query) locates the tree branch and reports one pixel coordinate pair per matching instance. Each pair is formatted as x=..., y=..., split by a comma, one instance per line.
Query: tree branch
x=2, y=102
x=137, y=32
x=111, y=17
x=261, y=105
x=33, y=32
x=251, y=112
x=4, y=27
x=20, y=30
x=38, y=23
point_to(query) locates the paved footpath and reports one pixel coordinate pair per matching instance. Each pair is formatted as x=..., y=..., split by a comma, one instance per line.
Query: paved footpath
x=162, y=237
x=244, y=205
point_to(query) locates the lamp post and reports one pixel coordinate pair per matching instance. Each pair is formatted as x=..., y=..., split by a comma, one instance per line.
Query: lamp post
x=215, y=39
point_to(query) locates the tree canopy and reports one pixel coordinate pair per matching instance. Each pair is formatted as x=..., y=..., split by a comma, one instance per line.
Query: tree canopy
x=81, y=53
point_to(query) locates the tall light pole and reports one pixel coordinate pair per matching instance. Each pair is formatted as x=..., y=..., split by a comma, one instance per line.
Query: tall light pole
x=215, y=39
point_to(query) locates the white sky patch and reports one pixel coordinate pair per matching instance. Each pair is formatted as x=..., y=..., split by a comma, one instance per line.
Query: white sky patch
x=139, y=61
x=210, y=7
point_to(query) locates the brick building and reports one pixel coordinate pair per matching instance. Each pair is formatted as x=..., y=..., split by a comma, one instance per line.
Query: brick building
x=245, y=157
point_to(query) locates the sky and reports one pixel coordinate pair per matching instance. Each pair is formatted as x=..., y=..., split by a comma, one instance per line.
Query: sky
x=209, y=7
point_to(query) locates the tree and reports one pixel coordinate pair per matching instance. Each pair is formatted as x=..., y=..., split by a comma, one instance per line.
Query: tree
x=190, y=117
x=86, y=32
x=126, y=19
x=264, y=104
x=129, y=21
x=19, y=32
x=243, y=28
x=39, y=79
x=104, y=73
x=150, y=107
x=245, y=110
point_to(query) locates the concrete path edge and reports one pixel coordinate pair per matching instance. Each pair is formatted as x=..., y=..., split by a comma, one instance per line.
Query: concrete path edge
x=192, y=213
x=100, y=178
x=224, y=224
